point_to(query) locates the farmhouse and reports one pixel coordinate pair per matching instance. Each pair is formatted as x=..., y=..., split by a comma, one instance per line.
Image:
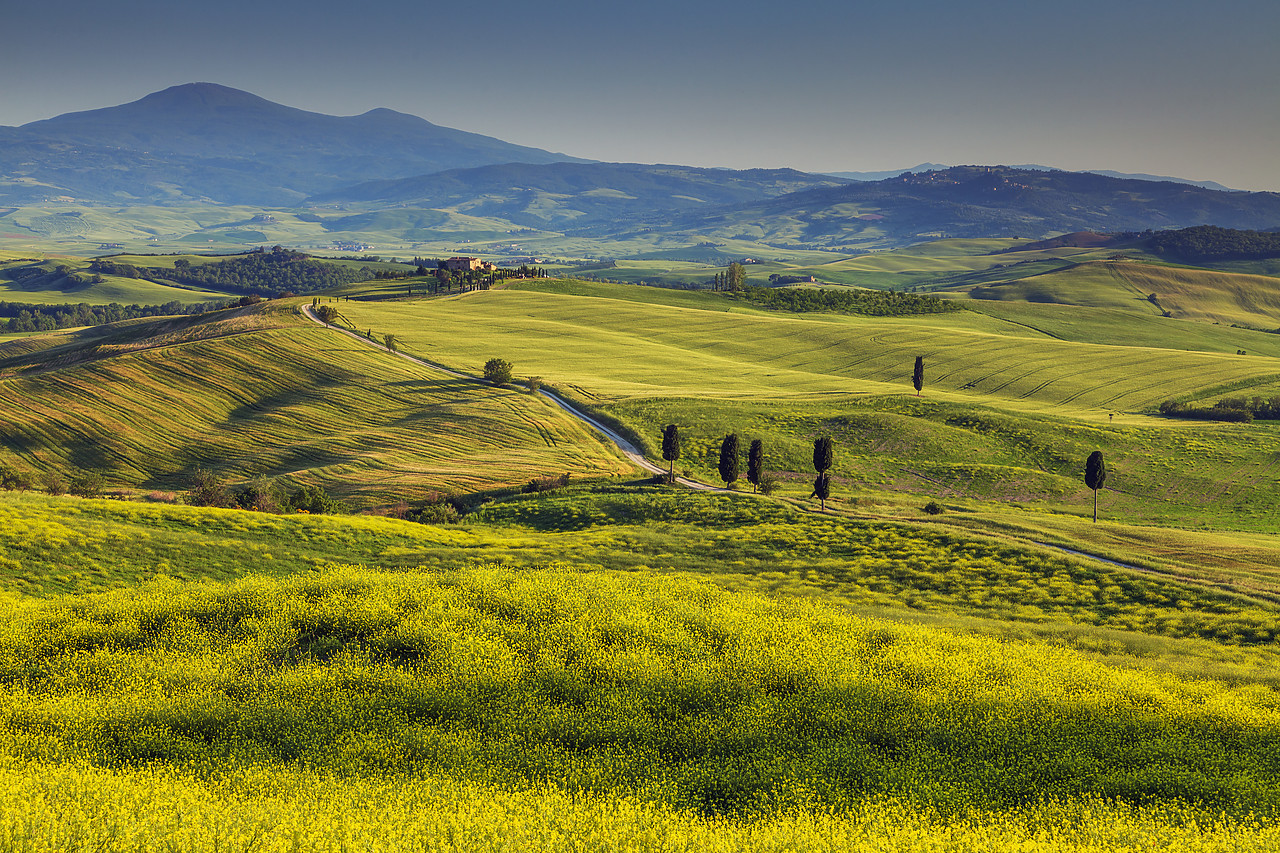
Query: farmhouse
x=467, y=264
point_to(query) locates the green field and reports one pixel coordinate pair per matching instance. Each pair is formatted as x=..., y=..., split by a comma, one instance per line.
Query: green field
x=261, y=392
x=886, y=685
x=615, y=664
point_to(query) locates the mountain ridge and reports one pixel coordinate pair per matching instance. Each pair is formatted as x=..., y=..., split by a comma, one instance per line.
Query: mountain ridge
x=201, y=138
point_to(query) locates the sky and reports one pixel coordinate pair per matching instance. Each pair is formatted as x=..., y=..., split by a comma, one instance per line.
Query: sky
x=1185, y=88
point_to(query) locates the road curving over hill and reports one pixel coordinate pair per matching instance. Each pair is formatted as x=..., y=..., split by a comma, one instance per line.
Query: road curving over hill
x=628, y=449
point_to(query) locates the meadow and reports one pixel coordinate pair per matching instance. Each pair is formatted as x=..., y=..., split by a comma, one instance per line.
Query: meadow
x=615, y=664
x=261, y=392
x=494, y=683
x=1014, y=400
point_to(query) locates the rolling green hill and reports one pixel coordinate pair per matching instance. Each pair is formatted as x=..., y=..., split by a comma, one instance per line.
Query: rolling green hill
x=258, y=391
x=895, y=680
x=611, y=663
x=1010, y=409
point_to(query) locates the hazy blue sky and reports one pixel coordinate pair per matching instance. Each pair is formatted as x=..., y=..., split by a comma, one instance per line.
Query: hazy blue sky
x=1178, y=87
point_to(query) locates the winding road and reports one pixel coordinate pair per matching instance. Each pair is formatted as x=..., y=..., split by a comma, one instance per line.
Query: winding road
x=628, y=449
x=632, y=453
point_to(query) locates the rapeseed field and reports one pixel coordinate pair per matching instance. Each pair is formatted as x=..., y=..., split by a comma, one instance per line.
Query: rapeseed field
x=563, y=707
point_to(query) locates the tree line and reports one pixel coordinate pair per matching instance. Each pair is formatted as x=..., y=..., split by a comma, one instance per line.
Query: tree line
x=1229, y=409
x=30, y=317
x=1211, y=243
x=875, y=303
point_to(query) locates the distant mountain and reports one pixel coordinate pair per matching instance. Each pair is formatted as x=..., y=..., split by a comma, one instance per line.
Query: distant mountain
x=979, y=201
x=573, y=195
x=203, y=141
x=936, y=167
x=1136, y=176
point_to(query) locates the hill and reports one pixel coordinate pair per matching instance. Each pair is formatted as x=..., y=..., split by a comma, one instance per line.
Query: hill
x=1188, y=293
x=980, y=202
x=202, y=141
x=767, y=679
x=573, y=196
x=258, y=391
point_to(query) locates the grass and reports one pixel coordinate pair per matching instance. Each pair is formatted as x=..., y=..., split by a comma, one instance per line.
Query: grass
x=606, y=666
x=1009, y=412
x=654, y=350
x=262, y=392
x=623, y=701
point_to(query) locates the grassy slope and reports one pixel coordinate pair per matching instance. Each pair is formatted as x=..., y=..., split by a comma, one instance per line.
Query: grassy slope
x=663, y=693
x=661, y=351
x=1170, y=692
x=254, y=392
x=1010, y=411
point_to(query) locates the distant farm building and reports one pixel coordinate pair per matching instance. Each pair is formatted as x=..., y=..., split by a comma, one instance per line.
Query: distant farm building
x=467, y=265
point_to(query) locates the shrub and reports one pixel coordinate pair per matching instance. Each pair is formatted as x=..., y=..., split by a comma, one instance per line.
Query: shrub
x=15, y=478
x=534, y=383
x=498, y=371
x=314, y=500
x=438, y=513
x=260, y=495
x=207, y=489
x=545, y=484
x=53, y=483
x=86, y=484
x=769, y=484
x=933, y=508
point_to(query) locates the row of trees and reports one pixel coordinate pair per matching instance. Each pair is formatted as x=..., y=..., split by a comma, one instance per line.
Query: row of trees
x=1232, y=409
x=1211, y=243
x=873, y=303
x=259, y=495
x=1095, y=473
x=84, y=484
x=29, y=317
x=732, y=280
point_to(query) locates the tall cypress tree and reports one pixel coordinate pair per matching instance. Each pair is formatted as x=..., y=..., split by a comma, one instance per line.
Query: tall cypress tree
x=917, y=376
x=671, y=449
x=822, y=489
x=822, y=458
x=1095, y=474
x=729, y=459
x=755, y=464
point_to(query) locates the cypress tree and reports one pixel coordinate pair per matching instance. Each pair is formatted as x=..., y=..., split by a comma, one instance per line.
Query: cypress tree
x=822, y=457
x=1095, y=474
x=917, y=376
x=822, y=454
x=755, y=464
x=671, y=449
x=729, y=459
x=822, y=489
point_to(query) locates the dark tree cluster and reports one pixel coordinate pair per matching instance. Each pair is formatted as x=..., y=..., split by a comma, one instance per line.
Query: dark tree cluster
x=1229, y=409
x=1211, y=243
x=24, y=317
x=732, y=280
x=1095, y=475
x=876, y=303
x=730, y=462
x=823, y=455
x=276, y=272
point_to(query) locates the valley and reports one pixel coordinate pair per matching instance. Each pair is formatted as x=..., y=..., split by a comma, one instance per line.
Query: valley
x=281, y=569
